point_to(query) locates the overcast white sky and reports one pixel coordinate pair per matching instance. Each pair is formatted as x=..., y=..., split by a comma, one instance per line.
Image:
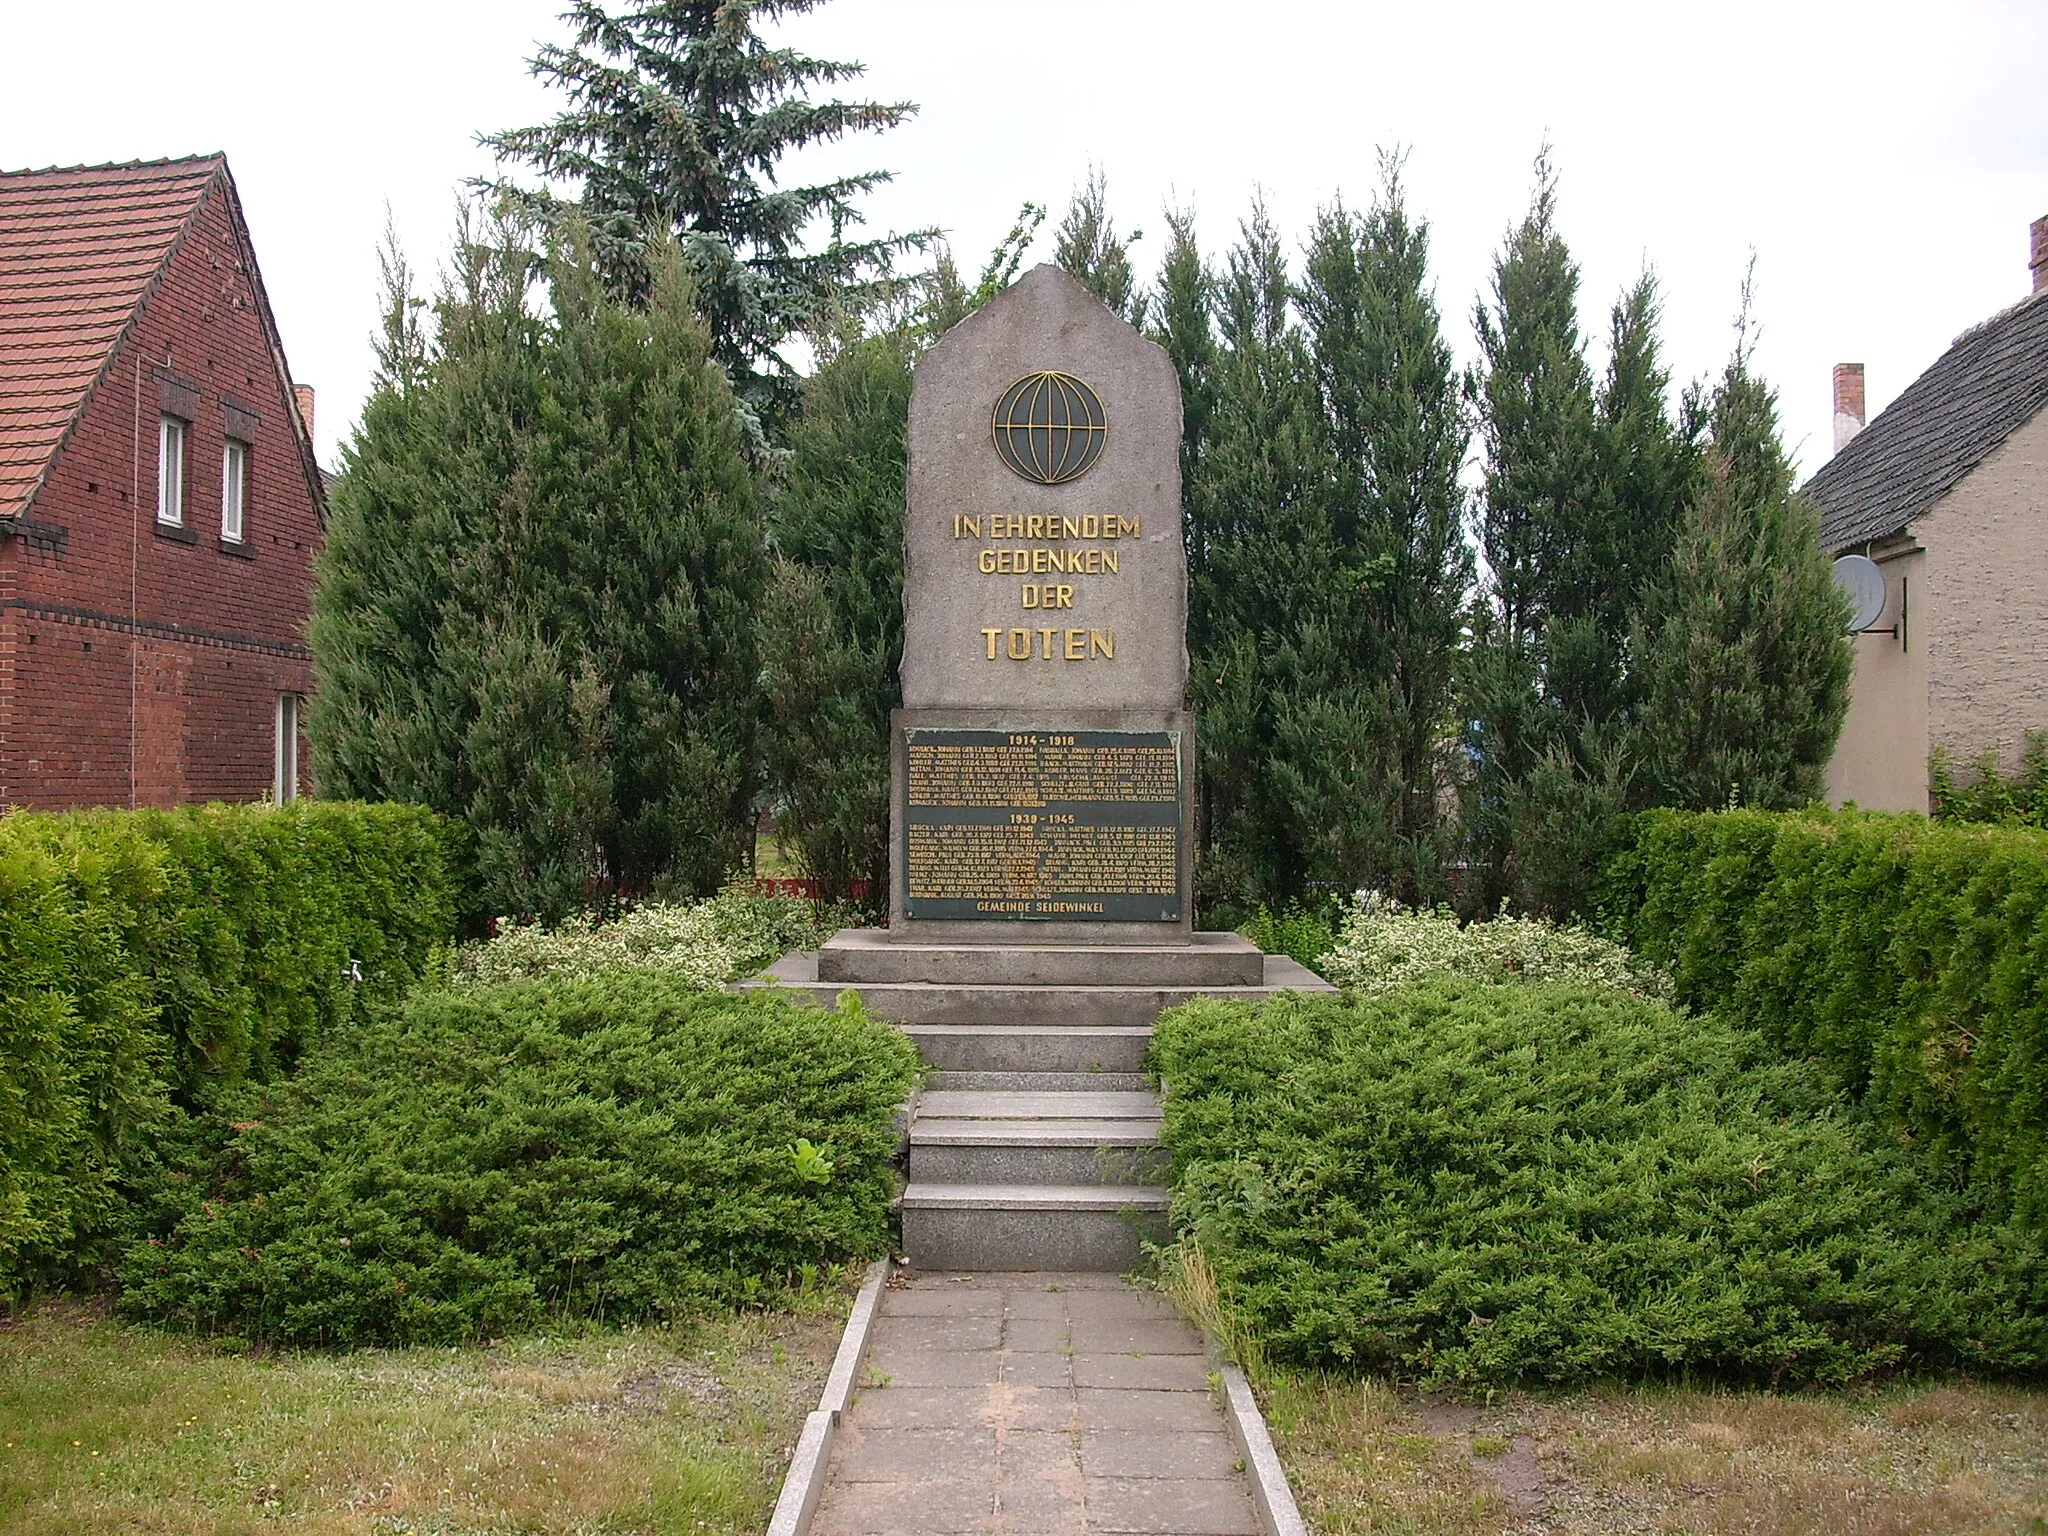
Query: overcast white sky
x=1882, y=160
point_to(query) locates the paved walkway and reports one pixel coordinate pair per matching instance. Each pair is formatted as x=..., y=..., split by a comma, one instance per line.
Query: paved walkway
x=1050, y=1404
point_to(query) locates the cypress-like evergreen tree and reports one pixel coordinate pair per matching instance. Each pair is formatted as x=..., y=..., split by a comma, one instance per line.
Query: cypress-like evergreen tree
x=1261, y=583
x=679, y=114
x=537, y=600
x=1184, y=322
x=1398, y=435
x=832, y=635
x=1087, y=244
x=1746, y=649
x=1536, y=417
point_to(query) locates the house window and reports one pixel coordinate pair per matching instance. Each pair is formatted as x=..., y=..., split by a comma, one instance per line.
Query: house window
x=285, y=784
x=234, y=490
x=170, y=472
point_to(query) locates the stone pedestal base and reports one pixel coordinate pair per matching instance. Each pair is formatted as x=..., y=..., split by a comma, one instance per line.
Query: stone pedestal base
x=869, y=955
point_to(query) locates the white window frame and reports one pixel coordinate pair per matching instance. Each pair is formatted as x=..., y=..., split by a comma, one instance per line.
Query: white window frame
x=172, y=437
x=234, y=491
x=284, y=784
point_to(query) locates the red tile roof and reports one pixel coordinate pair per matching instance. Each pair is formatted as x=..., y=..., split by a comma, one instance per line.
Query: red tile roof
x=79, y=251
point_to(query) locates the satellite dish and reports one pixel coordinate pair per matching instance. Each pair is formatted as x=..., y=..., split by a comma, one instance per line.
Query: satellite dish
x=1862, y=582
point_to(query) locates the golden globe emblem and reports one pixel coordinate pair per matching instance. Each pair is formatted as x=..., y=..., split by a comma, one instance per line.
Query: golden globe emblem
x=1049, y=427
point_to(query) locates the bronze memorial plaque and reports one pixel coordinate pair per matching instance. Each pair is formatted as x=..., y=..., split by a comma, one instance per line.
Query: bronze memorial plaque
x=1042, y=824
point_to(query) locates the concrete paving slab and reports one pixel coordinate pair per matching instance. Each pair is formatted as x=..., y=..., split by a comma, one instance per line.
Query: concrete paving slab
x=1127, y=1453
x=1035, y=1334
x=1035, y=1369
x=921, y=1407
x=1187, y=1507
x=1041, y=1303
x=899, y=1365
x=1108, y=1306
x=934, y=1504
x=939, y=1333
x=906, y=1455
x=1159, y=1412
x=956, y=1301
x=1117, y=1336
x=1155, y=1373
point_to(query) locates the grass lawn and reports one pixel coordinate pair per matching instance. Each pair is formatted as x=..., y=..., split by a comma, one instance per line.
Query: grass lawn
x=108, y=1428
x=772, y=861
x=1948, y=1458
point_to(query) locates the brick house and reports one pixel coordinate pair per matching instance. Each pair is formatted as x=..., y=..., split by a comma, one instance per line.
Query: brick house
x=160, y=506
x=1947, y=490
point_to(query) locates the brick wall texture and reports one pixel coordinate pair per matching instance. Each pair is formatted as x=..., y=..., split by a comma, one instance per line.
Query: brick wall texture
x=142, y=669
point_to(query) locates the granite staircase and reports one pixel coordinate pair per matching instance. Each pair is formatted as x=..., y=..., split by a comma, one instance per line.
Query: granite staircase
x=1034, y=1143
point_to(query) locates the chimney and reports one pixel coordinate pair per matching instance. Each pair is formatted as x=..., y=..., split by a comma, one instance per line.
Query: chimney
x=303, y=393
x=2038, y=256
x=1848, y=401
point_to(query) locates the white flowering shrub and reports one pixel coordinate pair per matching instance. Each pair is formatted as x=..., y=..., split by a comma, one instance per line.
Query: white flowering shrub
x=704, y=943
x=1383, y=945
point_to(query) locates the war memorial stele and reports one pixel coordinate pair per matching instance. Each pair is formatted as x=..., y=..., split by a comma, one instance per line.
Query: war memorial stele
x=1044, y=754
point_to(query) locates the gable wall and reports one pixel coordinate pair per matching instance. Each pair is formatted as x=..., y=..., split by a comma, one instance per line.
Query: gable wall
x=135, y=665
x=1987, y=623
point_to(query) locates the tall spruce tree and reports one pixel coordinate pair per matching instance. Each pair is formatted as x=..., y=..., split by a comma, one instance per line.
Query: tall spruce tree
x=1087, y=244
x=1746, y=650
x=536, y=604
x=832, y=634
x=679, y=114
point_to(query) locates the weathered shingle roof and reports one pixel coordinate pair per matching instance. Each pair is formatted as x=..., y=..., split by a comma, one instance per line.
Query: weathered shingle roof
x=80, y=249
x=1977, y=394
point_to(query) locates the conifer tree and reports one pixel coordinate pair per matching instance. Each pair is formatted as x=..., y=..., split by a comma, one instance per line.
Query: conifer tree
x=1258, y=502
x=832, y=635
x=1746, y=649
x=537, y=600
x=1536, y=416
x=1398, y=434
x=679, y=114
x=1087, y=244
x=1184, y=322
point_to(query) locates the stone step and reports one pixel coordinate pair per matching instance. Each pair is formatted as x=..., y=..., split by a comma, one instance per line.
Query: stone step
x=1035, y=1161
x=933, y=1130
x=1090, y=1006
x=1042, y=1082
x=1030, y=1048
x=871, y=956
x=1094, y=1227
x=948, y=1104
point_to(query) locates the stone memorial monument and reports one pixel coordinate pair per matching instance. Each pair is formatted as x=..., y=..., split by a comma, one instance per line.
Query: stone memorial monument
x=1041, y=907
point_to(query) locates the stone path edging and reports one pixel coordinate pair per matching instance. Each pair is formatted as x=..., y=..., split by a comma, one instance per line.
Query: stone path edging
x=805, y=1480
x=1271, y=1495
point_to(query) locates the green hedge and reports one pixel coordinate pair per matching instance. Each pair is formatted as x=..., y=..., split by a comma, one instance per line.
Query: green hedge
x=1909, y=958
x=1491, y=1183
x=496, y=1157
x=149, y=959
